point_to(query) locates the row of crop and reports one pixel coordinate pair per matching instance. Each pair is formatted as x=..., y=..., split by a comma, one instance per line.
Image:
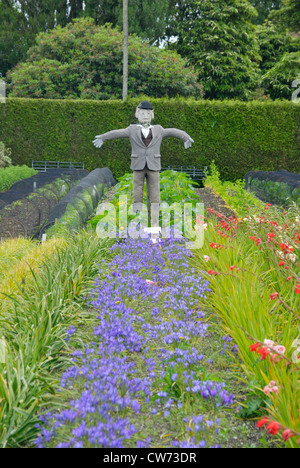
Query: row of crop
x=41, y=289
x=253, y=265
x=239, y=269
x=77, y=426
x=28, y=204
x=276, y=192
x=12, y=174
x=46, y=290
x=74, y=210
x=47, y=287
x=146, y=376
x=175, y=187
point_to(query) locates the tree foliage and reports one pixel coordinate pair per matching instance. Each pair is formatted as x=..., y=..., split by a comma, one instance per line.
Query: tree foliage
x=279, y=79
x=147, y=18
x=263, y=8
x=288, y=16
x=22, y=20
x=273, y=44
x=84, y=61
x=218, y=39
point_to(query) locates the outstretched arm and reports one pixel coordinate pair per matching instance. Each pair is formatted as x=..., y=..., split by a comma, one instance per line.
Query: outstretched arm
x=174, y=132
x=99, y=139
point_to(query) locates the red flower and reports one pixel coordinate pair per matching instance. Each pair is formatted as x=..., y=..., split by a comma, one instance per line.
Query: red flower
x=264, y=352
x=281, y=263
x=287, y=434
x=262, y=422
x=254, y=347
x=213, y=273
x=297, y=289
x=271, y=235
x=274, y=296
x=273, y=427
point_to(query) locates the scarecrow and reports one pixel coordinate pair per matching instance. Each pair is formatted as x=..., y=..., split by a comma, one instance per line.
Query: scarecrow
x=145, y=141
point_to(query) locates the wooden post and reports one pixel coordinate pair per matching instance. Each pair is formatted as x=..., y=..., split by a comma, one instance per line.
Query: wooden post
x=125, y=49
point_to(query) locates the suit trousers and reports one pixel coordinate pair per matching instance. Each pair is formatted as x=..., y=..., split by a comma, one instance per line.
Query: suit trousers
x=153, y=187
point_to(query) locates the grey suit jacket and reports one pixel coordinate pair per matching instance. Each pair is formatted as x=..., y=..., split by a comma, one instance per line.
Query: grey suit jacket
x=142, y=154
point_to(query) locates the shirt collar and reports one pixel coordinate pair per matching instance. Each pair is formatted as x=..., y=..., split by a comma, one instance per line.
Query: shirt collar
x=140, y=125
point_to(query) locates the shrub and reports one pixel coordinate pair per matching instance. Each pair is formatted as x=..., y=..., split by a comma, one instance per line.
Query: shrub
x=5, y=154
x=84, y=61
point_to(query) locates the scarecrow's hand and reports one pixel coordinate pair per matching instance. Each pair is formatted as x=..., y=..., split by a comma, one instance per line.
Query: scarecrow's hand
x=188, y=143
x=98, y=142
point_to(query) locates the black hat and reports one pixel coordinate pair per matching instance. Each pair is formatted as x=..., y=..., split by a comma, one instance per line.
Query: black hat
x=145, y=105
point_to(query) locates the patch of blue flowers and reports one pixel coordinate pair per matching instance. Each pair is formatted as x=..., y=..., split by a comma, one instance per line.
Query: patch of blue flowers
x=109, y=387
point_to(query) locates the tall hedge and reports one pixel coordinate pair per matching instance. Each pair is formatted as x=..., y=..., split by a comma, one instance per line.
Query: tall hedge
x=239, y=136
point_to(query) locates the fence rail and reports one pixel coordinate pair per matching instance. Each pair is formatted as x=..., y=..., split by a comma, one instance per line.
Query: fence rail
x=42, y=166
x=193, y=172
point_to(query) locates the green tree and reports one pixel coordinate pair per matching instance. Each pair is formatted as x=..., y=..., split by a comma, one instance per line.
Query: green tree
x=219, y=40
x=273, y=44
x=278, y=81
x=288, y=16
x=263, y=8
x=21, y=21
x=147, y=18
x=84, y=60
x=13, y=38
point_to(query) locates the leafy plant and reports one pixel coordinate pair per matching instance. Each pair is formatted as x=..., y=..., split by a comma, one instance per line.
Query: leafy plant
x=12, y=174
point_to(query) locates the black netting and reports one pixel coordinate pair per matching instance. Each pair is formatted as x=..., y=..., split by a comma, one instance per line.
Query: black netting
x=79, y=204
x=38, y=181
x=283, y=176
x=279, y=187
x=28, y=203
x=12, y=227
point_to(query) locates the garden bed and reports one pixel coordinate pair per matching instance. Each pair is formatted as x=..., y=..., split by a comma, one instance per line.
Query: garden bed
x=194, y=335
x=28, y=203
